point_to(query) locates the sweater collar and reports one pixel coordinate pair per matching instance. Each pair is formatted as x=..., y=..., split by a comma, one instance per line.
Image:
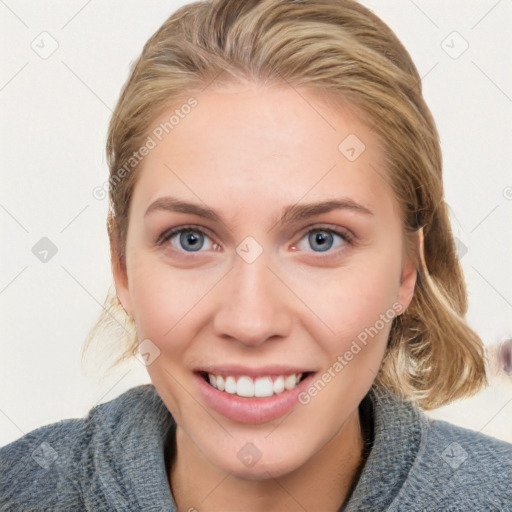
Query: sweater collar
x=398, y=435
x=125, y=465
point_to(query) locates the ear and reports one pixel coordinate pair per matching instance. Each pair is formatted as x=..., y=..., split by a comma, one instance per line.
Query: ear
x=408, y=278
x=121, y=280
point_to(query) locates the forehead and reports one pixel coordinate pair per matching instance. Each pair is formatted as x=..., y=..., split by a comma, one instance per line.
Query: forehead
x=249, y=146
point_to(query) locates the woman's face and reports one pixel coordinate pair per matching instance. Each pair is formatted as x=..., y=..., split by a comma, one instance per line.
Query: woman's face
x=265, y=285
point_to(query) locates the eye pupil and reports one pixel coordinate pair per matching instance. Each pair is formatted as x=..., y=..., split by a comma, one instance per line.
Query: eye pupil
x=321, y=237
x=191, y=237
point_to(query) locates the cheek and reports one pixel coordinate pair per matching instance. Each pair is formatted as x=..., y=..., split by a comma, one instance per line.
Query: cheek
x=361, y=329
x=154, y=301
x=349, y=299
x=164, y=301
x=163, y=306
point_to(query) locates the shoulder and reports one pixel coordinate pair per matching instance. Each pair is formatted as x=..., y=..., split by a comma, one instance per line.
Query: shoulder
x=47, y=462
x=457, y=467
x=459, y=444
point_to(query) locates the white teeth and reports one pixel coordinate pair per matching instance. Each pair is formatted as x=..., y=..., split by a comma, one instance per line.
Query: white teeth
x=290, y=381
x=263, y=387
x=278, y=385
x=259, y=387
x=230, y=385
x=245, y=387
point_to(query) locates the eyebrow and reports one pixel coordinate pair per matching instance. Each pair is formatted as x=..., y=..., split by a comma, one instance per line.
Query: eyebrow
x=289, y=214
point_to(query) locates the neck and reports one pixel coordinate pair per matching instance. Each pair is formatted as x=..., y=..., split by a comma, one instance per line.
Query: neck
x=322, y=483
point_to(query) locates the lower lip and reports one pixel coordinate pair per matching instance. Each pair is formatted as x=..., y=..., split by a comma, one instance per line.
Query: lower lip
x=251, y=410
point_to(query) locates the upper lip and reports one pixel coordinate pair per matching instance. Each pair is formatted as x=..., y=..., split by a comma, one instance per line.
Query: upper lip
x=261, y=371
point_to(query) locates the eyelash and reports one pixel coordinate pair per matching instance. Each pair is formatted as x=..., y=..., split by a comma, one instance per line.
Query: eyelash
x=345, y=235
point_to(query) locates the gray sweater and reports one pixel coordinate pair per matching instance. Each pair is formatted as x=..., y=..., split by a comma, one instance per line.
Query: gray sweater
x=113, y=459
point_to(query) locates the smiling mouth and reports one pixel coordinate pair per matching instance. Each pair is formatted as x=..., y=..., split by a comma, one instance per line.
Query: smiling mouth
x=259, y=387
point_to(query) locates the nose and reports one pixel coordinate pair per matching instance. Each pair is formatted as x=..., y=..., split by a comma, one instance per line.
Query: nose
x=253, y=304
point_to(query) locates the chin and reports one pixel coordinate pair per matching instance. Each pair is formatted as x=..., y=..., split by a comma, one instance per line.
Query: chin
x=269, y=467
x=260, y=457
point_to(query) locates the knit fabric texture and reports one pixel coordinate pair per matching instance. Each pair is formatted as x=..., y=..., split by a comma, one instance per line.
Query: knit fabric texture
x=113, y=459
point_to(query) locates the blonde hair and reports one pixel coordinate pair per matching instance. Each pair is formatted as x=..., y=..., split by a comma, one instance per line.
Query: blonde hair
x=345, y=52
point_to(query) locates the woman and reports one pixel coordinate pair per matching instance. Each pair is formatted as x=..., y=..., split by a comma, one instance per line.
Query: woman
x=320, y=304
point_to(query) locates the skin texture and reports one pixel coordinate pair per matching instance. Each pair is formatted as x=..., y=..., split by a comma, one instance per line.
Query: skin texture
x=247, y=152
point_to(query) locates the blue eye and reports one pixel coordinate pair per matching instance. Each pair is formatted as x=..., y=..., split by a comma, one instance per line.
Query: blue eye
x=322, y=239
x=319, y=237
x=189, y=239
